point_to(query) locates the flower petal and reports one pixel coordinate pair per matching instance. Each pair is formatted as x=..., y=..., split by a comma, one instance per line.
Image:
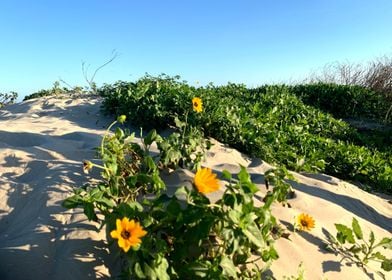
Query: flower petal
x=119, y=225
x=124, y=223
x=115, y=234
x=206, y=181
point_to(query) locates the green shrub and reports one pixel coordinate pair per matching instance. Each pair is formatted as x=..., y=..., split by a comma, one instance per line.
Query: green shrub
x=150, y=102
x=343, y=101
x=55, y=90
x=270, y=122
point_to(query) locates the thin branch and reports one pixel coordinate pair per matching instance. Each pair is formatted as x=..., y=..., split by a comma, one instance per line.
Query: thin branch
x=114, y=56
x=91, y=80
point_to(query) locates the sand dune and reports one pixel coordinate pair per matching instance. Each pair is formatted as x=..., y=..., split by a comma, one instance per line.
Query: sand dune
x=42, y=145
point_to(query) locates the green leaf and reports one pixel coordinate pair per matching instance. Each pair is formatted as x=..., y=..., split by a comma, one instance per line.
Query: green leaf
x=161, y=266
x=138, y=271
x=143, y=178
x=129, y=139
x=147, y=221
x=329, y=236
x=134, y=205
x=239, y=258
x=181, y=192
x=112, y=167
x=150, y=137
x=109, y=203
x=158, y=183
x=246, y=182
x=173, y=208
x=114, y=188
x=254, y=235
x=95, y=193
x=379, y=256
x=387, y=265
x=89, y=212
x=266, y=256
x=357, y=229
x=228, y=267
x=243, y=175
x=72, y=202
x=234, y=216
x=226, y=174
x=355, y=249
x=273, y=253
x=119, y=133
x=341, y=238
x=150, y=163
x=371, y=238
x=129, y=209
x=386, y=243
x=200, y=269
x=179, y=123
x=149, y=272
x=344, y=234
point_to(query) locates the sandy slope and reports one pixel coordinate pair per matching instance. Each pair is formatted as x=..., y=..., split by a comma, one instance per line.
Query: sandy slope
x=42, y=145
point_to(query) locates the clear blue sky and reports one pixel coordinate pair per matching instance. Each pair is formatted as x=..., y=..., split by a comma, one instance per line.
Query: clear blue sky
x=253, y=42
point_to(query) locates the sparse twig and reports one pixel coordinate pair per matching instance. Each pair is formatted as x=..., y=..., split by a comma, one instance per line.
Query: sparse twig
x=90, y=81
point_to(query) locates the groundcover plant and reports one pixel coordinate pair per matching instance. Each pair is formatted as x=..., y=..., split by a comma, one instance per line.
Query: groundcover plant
x=186, y=235
x=270, y=122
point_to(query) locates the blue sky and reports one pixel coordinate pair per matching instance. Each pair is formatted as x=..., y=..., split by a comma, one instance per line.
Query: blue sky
x=252, y=42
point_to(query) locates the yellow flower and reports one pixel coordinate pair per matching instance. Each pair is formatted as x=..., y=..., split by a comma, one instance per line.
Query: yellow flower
x=197, y=104
x=206, y=181
x=87, y=166
x=128, y=233
x=305, y=222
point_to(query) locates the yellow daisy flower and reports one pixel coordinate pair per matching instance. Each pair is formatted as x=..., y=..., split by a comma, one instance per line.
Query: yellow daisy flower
x=128, y=233
x=305, y=222
x=197, y=104
x=206, y=181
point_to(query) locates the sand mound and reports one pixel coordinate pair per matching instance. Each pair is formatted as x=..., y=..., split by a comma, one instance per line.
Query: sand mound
x=42, y=145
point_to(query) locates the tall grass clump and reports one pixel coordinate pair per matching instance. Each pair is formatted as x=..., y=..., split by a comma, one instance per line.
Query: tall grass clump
x=375, y=75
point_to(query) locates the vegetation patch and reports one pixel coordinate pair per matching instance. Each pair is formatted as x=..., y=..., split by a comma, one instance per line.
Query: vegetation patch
x=269, y=122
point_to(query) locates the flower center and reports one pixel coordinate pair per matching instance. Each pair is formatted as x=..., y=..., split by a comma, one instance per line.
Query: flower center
x=125, y=234
x=304, y=223
x=195, y=104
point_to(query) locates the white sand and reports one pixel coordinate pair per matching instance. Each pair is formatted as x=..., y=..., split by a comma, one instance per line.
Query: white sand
x=42, y=145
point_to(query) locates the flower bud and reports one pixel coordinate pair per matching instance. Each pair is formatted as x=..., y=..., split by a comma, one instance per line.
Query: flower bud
x=121, y=119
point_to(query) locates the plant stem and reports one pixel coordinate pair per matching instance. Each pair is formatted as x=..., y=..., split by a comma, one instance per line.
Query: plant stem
x=183, y=133
x=106, y=133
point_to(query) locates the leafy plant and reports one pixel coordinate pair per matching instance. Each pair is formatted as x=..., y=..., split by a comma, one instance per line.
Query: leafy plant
x=128, y=171
x=269, y=122
x=185, y=147
x=343, y=101
x=55, y=90
x=351, y=244
x=8, y=98
x=185, y=235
